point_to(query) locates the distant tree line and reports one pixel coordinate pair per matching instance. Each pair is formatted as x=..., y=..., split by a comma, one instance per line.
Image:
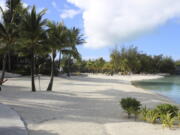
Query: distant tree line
x=126, y=60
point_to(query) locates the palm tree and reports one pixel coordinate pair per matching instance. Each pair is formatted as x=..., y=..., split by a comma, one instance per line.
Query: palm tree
x=56, y=40
x=14, y=13
x=33, y=36
x=74, y=38
x=69, y=54
x=8, y=30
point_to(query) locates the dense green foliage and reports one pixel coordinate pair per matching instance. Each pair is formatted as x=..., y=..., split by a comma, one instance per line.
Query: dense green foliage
x=131, y=60
x=167, y=120
x=32, y=42
x=151, y=116
x=166, y=114
x=126, y=61
x=9, y=31
x=177, y=63
x=130, y=105
x=167, y=108
x=154, y=115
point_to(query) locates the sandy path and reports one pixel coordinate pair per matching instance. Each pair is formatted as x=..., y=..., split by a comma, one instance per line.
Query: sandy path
x=11, y=123
x=81, y=106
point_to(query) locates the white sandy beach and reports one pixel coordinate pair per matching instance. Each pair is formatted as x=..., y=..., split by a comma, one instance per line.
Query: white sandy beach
x=81, y=105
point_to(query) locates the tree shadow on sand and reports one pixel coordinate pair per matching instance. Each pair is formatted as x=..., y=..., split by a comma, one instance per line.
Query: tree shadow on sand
x=101, y=106
x=48, y=106
x=41, y=132
x=19, y=131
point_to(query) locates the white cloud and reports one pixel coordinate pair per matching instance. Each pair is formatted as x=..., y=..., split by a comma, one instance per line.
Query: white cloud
x=109, y=22
x=3, y=4
x=69, y=13
x=25, y=5
x=54, y=4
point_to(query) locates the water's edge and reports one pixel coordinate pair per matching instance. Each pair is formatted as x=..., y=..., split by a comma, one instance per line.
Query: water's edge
x=138, y=84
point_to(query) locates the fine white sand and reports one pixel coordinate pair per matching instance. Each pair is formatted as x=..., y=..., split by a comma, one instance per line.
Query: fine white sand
x=82, y=105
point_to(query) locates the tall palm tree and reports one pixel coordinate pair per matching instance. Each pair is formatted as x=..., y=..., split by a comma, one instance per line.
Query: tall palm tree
x=74, y=39
x=14, y=13
x=33, y=36
x=70, y=53
x=56, y=40
x=9, y=29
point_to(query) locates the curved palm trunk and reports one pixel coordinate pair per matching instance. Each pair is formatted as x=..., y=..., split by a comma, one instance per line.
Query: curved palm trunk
x=4, y=67
x=32, y=72
x=52, y=72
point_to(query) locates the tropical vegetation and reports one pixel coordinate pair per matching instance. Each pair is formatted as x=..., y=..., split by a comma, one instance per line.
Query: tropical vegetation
x=166, y=114
x=126, y=60
x=29, y=43
x=131, y=106
x=33, y=42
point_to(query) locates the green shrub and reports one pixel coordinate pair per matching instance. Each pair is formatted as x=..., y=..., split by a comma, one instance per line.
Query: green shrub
x=131, y=106
x=143, y=113
x=152, y=116
x=167, y=108
x=167, y=120
x=178, y=118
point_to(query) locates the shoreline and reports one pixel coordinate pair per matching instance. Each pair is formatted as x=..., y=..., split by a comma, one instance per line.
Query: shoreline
x=162, y=76
x=133, y=78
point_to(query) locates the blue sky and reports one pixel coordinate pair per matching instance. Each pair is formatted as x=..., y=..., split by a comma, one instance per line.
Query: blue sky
x=161, y=39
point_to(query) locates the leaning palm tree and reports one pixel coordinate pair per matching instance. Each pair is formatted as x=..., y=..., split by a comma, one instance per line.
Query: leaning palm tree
x=33, y=36
x=56, y=40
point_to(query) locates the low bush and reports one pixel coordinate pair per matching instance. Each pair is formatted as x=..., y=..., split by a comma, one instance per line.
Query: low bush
x=152, y=116
x=143, y=113
x=131, y=106
x=167, y=109
x=167, y=120
x=178, y=118
x=166, y=114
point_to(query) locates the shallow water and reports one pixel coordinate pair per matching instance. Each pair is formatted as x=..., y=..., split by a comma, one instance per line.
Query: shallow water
x=168, y=86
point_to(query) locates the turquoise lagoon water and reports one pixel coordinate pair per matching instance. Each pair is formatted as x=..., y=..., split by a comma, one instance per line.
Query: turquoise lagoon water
x=168, y=86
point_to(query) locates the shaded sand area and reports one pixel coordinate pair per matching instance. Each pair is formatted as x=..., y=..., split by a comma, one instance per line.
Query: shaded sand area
x=81, y=105
x=10, y=122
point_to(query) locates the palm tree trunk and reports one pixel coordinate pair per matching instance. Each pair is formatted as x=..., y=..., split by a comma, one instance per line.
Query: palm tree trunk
x=9, y=62
x=68, y=73
x=32, y=72
x=59, y=63
x=52, y=73
x=3, y=68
